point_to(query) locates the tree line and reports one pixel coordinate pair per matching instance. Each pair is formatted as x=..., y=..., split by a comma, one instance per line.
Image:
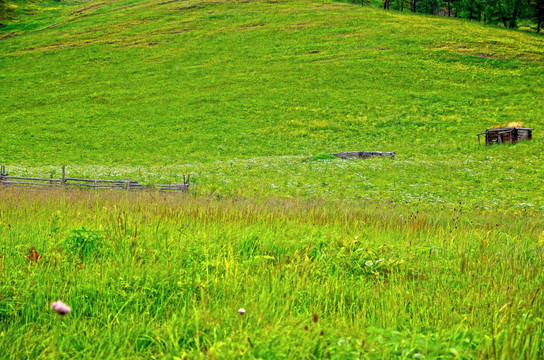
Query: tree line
x=508, y=13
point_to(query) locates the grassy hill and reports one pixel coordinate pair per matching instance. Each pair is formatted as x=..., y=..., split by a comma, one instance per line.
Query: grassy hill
x=436, y=253
x=171, y=87
x=147, y=82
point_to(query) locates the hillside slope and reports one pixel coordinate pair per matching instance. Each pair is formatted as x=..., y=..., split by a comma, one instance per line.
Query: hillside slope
x=436, y=253
x=143, y=82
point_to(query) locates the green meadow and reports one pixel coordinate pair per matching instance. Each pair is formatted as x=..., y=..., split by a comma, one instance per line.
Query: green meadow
x=135, y=82
x=155, y=276
x=435, y=253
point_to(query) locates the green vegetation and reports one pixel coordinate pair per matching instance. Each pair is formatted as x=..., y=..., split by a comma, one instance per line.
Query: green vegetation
x=384, y=281
x=217, y=88
x=436, y=253
x=508, y=13
x=146, y=84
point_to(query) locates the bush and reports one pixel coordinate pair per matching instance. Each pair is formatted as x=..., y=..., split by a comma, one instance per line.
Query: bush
x=85, y=243
x=324, y=157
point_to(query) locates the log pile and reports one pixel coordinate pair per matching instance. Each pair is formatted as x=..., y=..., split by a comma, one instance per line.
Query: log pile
x=361, y=154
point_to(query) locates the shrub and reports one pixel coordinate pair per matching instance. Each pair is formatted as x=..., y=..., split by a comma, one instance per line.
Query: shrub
x=324, y=157
x=85, y=243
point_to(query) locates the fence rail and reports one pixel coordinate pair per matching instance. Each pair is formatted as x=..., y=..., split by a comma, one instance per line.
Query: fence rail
x=126, y=184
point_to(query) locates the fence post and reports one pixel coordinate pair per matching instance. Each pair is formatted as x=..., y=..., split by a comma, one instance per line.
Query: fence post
x=63, y=181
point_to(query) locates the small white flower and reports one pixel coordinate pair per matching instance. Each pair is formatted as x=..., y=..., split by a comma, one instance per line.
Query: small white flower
x=241, y=311
x=369, y=263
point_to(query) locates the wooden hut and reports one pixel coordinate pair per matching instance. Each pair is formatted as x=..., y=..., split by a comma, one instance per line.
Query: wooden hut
x=506, y=135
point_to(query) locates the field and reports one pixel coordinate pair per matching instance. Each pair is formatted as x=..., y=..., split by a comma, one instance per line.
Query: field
x=150, y=275
x=436, y=253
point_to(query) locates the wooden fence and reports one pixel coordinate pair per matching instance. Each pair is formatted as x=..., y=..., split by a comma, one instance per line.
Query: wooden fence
x=68, y=182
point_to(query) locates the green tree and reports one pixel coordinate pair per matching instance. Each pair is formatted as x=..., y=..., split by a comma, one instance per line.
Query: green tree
x=536, y=13
x=472, y=9
x=400, y=5
x=510, y=11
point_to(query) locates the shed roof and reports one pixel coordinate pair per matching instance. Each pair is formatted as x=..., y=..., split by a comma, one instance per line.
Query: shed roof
x=506, y=129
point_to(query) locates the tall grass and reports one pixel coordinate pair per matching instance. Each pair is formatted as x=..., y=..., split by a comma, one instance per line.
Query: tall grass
x=169, y=273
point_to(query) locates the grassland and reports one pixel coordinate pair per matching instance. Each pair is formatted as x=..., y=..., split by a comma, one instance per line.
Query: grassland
x=133, y=82
x=165, y=90
x=436, y=253
x=241, y=94
x=157, y=276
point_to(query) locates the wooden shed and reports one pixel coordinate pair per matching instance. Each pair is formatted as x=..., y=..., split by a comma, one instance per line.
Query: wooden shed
x=506, y=135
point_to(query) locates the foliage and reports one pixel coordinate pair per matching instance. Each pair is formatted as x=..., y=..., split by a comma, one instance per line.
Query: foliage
x=504, y=12
x=324, y=157
x=85, y=243
x=536, y=12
